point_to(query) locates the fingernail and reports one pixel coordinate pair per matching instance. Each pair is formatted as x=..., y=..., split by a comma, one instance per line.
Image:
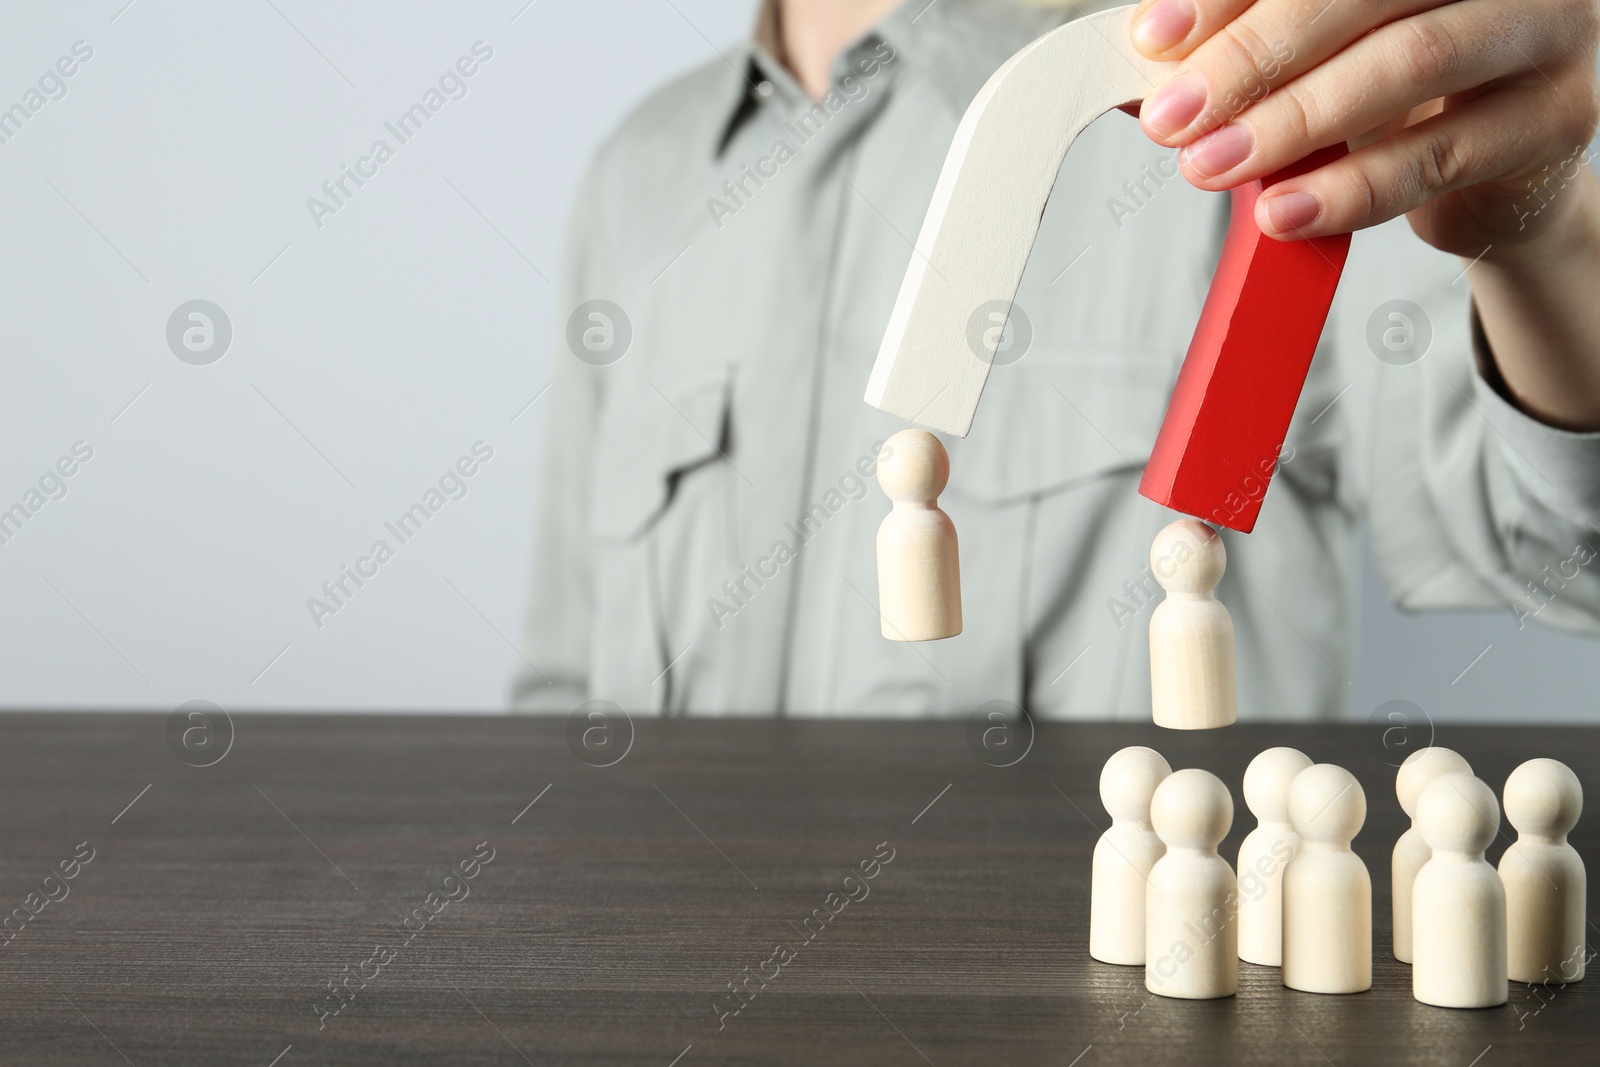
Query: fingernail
x=1175, y=104
x=1288, y=212
x=1164, y=25
x=1220, y=150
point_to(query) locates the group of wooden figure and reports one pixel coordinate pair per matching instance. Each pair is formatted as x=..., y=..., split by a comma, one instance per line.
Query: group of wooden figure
x=1162, y=897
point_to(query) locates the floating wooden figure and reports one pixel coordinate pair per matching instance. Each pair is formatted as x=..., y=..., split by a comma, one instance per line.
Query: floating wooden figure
x=1259, y=326
x=1192, y=683
x=919, y=575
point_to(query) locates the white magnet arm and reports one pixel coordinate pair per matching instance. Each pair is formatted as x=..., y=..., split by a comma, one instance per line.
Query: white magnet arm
x=985, y=212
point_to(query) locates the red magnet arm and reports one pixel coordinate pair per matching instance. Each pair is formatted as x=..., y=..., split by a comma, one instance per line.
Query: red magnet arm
x=1241, y=379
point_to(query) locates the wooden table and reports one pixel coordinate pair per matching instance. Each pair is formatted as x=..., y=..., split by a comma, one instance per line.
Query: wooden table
x=222, y=901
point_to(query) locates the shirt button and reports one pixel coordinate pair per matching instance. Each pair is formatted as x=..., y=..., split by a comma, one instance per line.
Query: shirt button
x=764, y=89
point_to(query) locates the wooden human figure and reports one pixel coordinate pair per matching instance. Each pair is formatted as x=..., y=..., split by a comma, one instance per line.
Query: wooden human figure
x=919, y=576
x=1266, y=851
x=1327, y=892
x=1458, y=904
x=1411, y=851
x=1543, y=875
x=1124, y=855
x=1191, y=939
x=1191, y=634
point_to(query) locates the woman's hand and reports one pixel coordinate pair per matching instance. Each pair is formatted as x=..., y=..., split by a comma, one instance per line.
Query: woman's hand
x=1472, y=117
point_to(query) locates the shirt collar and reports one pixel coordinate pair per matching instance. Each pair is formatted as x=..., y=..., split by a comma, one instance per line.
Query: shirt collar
x=954, y=44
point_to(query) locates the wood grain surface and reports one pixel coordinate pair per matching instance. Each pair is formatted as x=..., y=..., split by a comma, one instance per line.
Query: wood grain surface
x=219, y=906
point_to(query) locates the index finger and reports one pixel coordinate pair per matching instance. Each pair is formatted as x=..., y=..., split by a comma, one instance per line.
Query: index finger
x=1171, y=29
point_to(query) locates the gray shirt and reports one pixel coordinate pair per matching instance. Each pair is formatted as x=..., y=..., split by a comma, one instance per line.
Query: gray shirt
x=705, y=542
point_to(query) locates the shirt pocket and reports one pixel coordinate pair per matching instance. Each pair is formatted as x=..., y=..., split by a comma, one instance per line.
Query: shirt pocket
x=645, y=444
x=658, y=511
x=1043, y=494
x=1054, y=420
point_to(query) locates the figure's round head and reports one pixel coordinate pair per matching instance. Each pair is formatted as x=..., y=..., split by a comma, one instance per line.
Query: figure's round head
x=913, y=467
x=1422, y=767
x=1188, y=557
x=1266, y=782
x=1327, y=805
x=1128, y=782
x=1457, y=813
x=1191, y=809
x=1543, y=797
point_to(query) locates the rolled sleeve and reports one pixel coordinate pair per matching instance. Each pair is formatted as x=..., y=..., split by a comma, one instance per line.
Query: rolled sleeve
x=1560, y=469
x=1471, y=502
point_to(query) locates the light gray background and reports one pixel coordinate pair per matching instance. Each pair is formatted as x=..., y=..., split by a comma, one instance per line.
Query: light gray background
x=367, y=355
